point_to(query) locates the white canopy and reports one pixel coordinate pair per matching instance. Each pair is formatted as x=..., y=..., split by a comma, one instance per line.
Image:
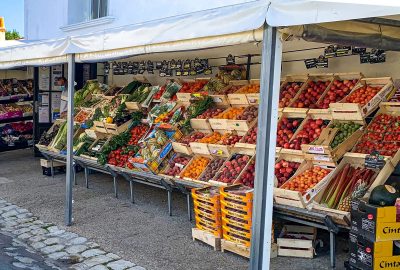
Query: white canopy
x=230, y=25
x=299, y=12
x=32, y=53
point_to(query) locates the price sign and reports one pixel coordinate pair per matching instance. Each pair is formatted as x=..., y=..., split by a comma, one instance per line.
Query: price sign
x=316, y=150
x=310, y=63
x=374, y=161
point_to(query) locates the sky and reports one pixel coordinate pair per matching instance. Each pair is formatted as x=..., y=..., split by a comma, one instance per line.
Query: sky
x=13, y=13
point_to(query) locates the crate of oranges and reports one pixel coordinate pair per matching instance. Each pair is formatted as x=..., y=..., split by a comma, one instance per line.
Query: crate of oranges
x=200, y=146
x=195, y=167
x=221, y=120
x=301, y=188
x=248, y=94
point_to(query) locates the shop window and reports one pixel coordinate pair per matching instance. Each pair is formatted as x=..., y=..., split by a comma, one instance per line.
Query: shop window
x=86, y=10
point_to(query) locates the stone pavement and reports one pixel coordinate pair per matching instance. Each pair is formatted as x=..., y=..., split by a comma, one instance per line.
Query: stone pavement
x=62, y=249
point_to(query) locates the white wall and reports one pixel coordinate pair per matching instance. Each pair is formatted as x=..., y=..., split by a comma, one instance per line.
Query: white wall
x=43, y=18
x=17, y=74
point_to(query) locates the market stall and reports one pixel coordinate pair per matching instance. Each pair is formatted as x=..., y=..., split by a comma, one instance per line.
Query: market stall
x=228, y=117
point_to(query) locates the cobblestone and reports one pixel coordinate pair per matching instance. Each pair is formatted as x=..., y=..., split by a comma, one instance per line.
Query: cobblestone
x=56, y=244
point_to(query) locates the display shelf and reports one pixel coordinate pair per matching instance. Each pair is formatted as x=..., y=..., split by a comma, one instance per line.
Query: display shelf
x=16, y=119
x=15, y=99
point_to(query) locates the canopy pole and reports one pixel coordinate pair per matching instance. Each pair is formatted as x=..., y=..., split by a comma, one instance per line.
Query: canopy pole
x=70, y=134
x=266, y=141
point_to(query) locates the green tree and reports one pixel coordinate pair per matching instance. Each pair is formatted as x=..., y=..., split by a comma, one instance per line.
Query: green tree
x=10, y=35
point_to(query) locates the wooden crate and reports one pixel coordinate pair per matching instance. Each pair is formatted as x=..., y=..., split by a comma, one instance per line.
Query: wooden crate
x=99, y=127
x=200, y=124
x=290, y=79
x=133, y=106
x=343, y=217
x=387, y=86
x=206, y=238
x=220, y=100
x=291, y=157
x=86, y=111
x=47, y=163
x=114, y=129
x=218, y=149
x=242, y=145
x=242, y=250
x=391, y=110
x=253, y=98
x=320, y=149
x=338, y=76
x=237, y=99
x=296, y=198
x=240, y=125
x=199, y=148
x=215, y=181
x=182, y=148
x=315, y=115
x=188, y=165
x=300, y=248
x=311, y=77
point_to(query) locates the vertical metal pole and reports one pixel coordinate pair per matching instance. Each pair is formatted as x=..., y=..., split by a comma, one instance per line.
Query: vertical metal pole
x=115, y=186
x=169, y=202
x=131, y=188
x=332, y=238
x=188, y=206
x=70, y=134
x=86, y=177
x=266, y=142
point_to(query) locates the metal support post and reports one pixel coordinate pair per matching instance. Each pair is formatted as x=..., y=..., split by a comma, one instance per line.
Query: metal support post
x=70, y=134
x=115, y=186
x=332, y=238
x=131, y=189
x=87, y=177
x=188, y=197
x=169, y=202
x=266, y=141
x=169, y=192
x=75, y=182
x=52, y=168
x=188, y=206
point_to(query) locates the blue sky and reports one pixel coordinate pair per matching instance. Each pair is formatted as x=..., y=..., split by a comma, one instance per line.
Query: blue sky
x=13, y=13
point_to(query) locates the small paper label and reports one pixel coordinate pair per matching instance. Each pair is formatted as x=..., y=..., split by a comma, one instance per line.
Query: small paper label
x=316, y=150
x=217, y=99
x=322, y=158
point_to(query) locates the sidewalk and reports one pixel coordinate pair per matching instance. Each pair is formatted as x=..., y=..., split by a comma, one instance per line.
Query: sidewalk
x=62, y=249
x=142, y=233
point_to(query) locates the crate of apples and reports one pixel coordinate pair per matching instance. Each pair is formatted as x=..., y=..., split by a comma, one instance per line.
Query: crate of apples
x=176, y=164
x=288, y=92
x=285, y=169
x=336, y=92
x=192, y=137
x=232, y=168
x=306, y=180
x=250, y=137
x=248, y=175
x=286, y=129
x=310, y=131
x=310, y=95
x=249, y=114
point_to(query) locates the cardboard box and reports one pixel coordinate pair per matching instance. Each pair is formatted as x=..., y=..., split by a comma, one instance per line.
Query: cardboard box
x=374, y=223
x=369, y=255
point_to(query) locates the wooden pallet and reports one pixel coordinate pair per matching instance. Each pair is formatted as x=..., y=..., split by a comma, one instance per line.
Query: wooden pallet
x=207, y=238
x=301, y=248
x=241, y=250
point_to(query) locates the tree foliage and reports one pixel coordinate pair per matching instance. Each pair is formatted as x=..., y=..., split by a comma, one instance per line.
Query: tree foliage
x=10, y=35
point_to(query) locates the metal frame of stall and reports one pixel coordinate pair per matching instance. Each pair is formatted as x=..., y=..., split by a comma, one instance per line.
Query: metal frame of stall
x=266, y=141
